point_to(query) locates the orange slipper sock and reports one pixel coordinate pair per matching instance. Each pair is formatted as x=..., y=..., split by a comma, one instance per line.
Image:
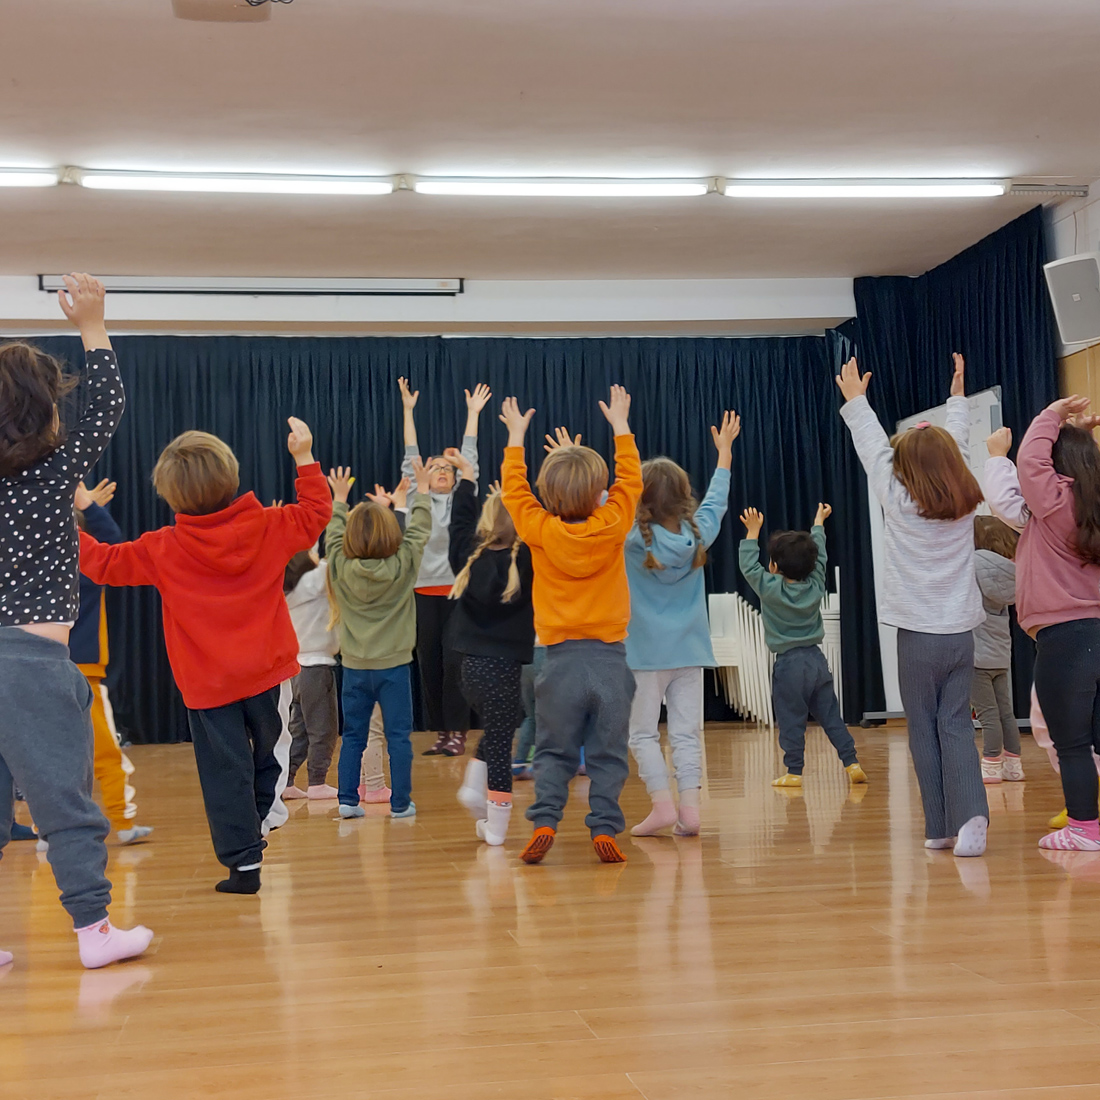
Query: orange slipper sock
x=608, y=850
x=538, y=845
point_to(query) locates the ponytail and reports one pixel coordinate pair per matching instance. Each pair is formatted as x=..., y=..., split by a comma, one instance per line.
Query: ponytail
x=511, y=589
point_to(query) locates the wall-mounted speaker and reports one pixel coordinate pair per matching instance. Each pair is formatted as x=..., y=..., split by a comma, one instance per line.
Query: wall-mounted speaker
x=1074, y=285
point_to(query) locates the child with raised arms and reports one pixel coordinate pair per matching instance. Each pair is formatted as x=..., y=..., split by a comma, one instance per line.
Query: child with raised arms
x=372, y=572
x=219, y=570
x=582, y=609
x=665, y=554
x=929, y=497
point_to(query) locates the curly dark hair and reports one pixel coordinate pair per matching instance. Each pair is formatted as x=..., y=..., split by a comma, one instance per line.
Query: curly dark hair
x=31, y=383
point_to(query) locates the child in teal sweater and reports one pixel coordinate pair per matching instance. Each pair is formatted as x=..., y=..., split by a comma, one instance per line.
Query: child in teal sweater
x=790, y=594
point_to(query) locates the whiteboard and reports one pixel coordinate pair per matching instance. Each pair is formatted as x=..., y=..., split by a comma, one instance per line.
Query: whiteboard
x=985, y=419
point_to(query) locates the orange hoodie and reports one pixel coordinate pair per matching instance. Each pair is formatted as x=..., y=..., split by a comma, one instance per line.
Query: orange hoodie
x=580, y=588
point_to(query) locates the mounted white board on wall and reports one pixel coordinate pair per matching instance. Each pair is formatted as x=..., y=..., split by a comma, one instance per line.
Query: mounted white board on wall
x=985, y=418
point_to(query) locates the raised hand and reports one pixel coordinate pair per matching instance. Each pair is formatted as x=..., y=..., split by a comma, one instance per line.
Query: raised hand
x=300, y=441
x=495, y=488
x=82, y=300
x=852, y=384
x=408, y=399
x=617, y=411
x=340, y=481
x=460, y=462
x=723, y=438
x=824, y=511
x=515, y=421
x=1069, y=408
x=400, y=495
x=1086, y=421
x=561, y=438
x=753, y=521
x=422, y=476
x=380, y=496
x=958, y=379
x=477, y=400
x=102, y=495
x=999, y=443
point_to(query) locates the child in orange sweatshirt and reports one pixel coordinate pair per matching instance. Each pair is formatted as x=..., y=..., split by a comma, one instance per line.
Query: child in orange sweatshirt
x=582, y=608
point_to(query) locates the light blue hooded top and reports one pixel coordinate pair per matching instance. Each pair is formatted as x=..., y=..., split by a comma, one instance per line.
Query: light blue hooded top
x=669, y=627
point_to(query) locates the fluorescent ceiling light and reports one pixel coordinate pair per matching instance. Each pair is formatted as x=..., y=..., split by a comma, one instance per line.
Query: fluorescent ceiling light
x=256, y=184
x=564, y=188
x=28, y=177
x=863, y=189
x=144, y=284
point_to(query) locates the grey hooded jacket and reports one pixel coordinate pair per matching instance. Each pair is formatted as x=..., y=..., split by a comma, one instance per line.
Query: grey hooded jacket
x=996, y=578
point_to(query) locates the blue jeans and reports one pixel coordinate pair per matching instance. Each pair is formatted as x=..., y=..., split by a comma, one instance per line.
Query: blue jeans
x=391, y=688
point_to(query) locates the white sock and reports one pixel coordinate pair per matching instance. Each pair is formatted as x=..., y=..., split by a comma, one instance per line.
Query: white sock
x=971, y=839
x=496, y=824
x=475, y=788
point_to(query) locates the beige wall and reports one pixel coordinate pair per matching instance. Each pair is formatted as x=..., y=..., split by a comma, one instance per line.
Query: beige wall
x=1080, y=373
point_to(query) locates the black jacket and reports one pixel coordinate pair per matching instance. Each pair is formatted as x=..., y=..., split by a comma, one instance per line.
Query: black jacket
x=482, y=625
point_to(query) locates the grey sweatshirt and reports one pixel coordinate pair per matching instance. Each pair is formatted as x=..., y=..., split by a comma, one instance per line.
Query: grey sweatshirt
x=435, y=568
x=928, y=581
x=996, y=578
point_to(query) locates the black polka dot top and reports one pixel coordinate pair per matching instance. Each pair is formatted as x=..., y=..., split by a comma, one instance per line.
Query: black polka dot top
x=39, y=549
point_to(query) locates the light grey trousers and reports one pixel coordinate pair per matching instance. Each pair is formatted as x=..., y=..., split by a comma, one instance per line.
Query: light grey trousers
x=935, y=672
x=46, y=750
x=681, y=690
x=992, y=699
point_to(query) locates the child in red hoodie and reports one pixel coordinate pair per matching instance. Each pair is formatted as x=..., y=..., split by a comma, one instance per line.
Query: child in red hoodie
x=219, y=571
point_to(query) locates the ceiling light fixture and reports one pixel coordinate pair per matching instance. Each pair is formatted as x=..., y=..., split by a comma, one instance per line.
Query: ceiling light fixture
x=250, y=184
x=560, y=188
x=260, y=287
x=863, y=189
x=28, y=177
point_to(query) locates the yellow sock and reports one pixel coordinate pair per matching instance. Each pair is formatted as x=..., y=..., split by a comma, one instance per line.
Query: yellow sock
x=855, y=773
x=788, y=780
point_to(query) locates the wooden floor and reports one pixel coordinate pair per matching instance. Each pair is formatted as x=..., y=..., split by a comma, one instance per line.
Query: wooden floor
x=805, y=946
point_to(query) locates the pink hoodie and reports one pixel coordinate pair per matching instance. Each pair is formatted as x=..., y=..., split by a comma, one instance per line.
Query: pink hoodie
x=1053, y=584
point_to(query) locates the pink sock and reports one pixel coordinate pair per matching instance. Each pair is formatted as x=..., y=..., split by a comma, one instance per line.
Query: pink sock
x=660, y=817
x=5, y=957
x=1091, y=829
x=689, y=821
x=102, y=943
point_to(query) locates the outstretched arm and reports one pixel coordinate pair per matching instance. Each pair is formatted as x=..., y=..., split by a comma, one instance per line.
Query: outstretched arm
x=300, y=525
x=871, y=442
x=748, y=553
x=1044, y=489
x=526, y=512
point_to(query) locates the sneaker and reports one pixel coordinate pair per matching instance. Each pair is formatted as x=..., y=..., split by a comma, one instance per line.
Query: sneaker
x=1013, y=771
x=992, y=770
x=1070, y=839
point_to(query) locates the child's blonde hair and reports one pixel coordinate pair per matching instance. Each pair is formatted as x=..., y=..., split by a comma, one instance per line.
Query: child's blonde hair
x=197, y=474
x=494, y=526
x=667, y=497
x=571, y=481
x=372, y=531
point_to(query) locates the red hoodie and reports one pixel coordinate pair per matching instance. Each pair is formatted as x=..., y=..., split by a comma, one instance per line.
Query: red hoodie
x=220, y=577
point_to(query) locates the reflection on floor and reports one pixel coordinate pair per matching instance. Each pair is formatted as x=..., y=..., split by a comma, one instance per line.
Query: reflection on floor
x=806, y=945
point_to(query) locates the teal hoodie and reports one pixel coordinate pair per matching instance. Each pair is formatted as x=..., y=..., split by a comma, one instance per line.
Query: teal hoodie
x=791, y=609
x=669, y=627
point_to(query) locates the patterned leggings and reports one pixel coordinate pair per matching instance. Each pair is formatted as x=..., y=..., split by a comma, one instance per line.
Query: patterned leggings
x=492, y=687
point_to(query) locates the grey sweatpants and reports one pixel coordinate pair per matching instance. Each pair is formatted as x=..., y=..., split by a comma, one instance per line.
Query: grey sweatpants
x=582, y=699
x=992, y=699
x=802, y=686
x=681, y=690
x=935, y=672
x=46, y=750
x=314, y=722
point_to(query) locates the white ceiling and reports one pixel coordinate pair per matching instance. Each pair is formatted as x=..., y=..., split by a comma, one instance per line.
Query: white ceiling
x=533, y=87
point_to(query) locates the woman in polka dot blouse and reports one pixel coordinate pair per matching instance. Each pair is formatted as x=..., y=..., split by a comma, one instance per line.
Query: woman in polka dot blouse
x=46, y=736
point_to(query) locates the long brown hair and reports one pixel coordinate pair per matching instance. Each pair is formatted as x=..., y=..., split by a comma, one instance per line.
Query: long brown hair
x=1076, y=455
x=928, y=462
x=667, y=498
x=995, y=535
x=31, y=382
x=495, y=526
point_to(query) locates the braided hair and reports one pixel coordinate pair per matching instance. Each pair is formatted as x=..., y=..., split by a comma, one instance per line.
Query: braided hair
x=667, y=498
x=494, y=526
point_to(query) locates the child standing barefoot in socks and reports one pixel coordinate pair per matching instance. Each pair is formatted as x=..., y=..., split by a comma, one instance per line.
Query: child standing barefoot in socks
x=665, y=554
x=219, y=570
x=582, y=608
x=46, y=734
x=790, y=605
x=928, y=498
x=1058, y=559
x=372, y=571
x=493, y=628
x=314, y=714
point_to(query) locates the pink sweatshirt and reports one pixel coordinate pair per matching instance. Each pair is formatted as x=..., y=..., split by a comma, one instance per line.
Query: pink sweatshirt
x=1053, y=584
